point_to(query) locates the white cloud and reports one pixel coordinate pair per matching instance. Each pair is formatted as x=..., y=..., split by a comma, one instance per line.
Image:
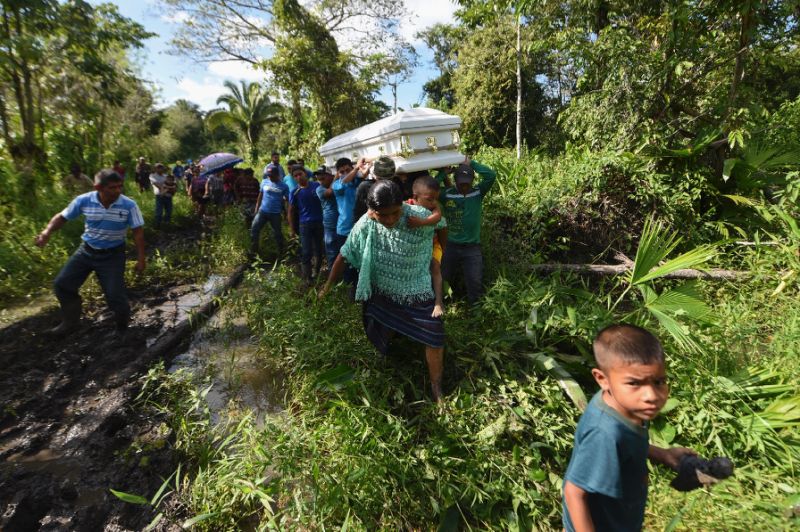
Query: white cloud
x=175, y=17
x=236, y=70
x=204, y=93
x=425, y=13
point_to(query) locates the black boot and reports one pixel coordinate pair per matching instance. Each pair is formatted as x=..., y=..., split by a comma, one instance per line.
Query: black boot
x=70, y=319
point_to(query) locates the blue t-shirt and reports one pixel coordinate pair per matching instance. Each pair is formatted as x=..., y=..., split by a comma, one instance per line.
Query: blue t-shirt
x=330, y=213
x=104, y=228
x=272, y=196
x=345, y=200
x=290, y=182
x=307, y=202
x=609, y=462
x=178, y=171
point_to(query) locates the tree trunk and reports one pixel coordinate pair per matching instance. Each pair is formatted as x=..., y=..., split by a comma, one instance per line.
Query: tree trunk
x=621, y=269
x=4, y=119
x=519, y=86
x=748, y=21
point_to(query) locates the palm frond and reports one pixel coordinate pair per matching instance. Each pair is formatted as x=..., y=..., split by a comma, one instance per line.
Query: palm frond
x=691, y=259
x=565, y=380
x=654, y=246
x=222, y=118
x=683, y=300
x=679, y=332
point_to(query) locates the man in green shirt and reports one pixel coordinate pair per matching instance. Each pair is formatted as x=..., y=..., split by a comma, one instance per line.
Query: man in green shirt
x=463, y=210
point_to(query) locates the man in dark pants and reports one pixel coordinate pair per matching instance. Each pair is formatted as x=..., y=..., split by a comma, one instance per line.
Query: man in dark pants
x=108, y=215
x=463, y=211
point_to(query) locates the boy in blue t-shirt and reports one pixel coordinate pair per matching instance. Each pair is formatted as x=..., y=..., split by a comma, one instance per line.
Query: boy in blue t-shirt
x=605, y=486
x=344, y=188
x=330, y=212
x=269, y=205
x=305, y=203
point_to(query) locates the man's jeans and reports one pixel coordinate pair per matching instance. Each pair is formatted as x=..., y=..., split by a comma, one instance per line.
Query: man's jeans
x=311, y=243
x=331, y=247
x=469, y=258
x=163, y=204
x=108, y=266
x=259, y=222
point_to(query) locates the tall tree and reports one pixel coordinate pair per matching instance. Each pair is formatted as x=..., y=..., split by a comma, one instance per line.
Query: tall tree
x=320, y=52
x=249, y=110
x=244, y=30
x=44, y=42
x=488, y=12
x=309, y=64
x=485, y=81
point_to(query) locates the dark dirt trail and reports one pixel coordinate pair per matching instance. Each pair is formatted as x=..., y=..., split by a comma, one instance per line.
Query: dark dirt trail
x=69, y=429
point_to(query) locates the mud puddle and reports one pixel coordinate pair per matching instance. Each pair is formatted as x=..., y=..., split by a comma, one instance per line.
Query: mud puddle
x=69, y=427
x=225, y=350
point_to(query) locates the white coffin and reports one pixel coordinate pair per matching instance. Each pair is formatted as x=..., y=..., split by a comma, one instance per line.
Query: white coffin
x=417, y=139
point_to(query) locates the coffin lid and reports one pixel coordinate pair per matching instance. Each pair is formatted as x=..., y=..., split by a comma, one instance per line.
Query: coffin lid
x=413, y=120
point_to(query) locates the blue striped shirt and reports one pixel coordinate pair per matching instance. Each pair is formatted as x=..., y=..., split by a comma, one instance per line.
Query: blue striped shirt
x=104, y=228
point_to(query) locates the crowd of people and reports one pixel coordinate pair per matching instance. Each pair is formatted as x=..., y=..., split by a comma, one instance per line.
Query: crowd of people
x=393, y=237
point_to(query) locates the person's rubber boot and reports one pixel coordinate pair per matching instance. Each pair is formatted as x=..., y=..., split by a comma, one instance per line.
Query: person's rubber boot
x=121, y=330
x=70, y=320
x=305, y=274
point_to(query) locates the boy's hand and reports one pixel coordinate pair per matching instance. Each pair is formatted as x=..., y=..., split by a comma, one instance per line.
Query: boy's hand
x=671, y=457
x=414, y=222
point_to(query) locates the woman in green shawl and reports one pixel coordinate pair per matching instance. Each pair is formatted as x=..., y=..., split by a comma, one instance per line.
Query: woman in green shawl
x=394, y=280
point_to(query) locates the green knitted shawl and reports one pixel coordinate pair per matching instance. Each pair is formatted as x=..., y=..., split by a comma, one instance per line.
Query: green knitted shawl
x=394, y=262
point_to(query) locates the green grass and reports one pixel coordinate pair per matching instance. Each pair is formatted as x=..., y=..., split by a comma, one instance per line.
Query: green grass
x=362, y=445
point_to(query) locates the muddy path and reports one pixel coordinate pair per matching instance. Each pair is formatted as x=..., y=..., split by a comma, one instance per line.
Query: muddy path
x=69, y=426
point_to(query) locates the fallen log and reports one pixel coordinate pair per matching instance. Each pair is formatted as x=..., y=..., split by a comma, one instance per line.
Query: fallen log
x=621, y=269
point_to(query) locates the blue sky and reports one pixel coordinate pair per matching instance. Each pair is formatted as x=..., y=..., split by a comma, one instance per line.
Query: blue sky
x=178, y=77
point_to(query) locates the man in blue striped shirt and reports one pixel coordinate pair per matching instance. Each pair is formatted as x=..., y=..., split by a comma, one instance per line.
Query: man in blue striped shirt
x=108, y=215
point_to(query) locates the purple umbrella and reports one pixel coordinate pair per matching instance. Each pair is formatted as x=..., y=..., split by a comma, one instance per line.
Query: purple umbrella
x=218, y=161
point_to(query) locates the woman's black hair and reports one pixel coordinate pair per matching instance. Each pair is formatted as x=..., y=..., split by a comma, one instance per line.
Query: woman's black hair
x=384, y=194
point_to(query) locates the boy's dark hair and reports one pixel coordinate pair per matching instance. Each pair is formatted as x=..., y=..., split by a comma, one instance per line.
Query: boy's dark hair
x=291, y=162
x=628, y=344
x=344, y=161
x=274, y=153
x=297, y=168
x=384, y=194
x=248, y=171
x=425, y=182
x=106, y=176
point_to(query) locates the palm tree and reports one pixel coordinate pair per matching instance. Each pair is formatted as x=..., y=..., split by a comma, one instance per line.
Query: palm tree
x=249, y=110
